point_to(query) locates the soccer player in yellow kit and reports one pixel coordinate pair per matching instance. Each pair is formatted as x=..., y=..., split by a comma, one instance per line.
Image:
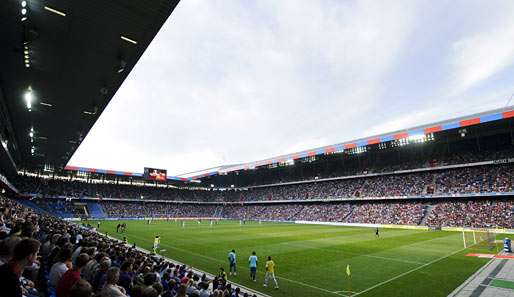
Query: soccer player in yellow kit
x=156, y=244
x=270, y=272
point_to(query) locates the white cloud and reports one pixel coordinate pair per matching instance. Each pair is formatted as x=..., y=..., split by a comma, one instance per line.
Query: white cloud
x=228, y=82
x=480, y=56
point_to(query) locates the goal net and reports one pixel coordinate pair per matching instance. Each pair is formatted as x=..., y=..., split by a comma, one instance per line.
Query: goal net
x=484, y=239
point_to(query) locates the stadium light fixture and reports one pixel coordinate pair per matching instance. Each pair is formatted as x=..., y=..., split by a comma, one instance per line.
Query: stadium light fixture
x=122, y=66
x=463, y=132
x=128, y=39
x=23, y=3
x=23, y=19
x=417, y=137
x=23, y=11
x=231, y=186
x=212, y=186
x=58, y=12
x=29, y=97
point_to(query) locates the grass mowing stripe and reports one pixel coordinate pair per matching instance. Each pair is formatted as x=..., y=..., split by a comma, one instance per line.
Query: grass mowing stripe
x=313, y=263
x=246, y=268
x=201, y=271
x=352, y=253
x=407, y=272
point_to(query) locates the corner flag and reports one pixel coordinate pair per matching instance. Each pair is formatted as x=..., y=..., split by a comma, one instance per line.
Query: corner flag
x=348, y=272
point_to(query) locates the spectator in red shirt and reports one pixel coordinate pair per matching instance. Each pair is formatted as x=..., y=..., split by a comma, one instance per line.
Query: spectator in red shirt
x=71, y=276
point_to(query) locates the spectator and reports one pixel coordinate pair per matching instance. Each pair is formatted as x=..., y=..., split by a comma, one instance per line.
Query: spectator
x=25, y=253
x=59, y=268
x=111, y=289
x=71, y=276
x=81, y=289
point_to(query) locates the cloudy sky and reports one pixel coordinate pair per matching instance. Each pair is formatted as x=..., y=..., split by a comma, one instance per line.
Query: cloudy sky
x=231, y=81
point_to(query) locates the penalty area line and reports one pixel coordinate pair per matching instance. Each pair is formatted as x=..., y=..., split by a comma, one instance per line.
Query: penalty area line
x=407, y=272
x=344, y=291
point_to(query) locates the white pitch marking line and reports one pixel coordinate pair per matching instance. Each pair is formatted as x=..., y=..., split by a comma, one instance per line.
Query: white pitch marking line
x=212, y=259
x=407, y=272
x=219, y=261
x=355, y=254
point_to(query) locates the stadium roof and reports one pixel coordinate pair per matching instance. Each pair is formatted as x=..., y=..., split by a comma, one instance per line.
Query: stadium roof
x=226, y=82
x=71, y=56
x=460, y=122
x=455, y=123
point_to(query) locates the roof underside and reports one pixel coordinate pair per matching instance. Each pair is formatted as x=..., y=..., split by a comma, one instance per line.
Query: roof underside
x=74, y=68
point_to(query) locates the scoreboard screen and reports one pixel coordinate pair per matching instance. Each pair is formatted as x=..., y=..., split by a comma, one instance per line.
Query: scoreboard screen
x=155, y=174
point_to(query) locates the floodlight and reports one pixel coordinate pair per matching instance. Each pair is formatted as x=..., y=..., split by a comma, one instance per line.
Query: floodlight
x=28, y=96
x=23, y=11
x=128, y=39
x=417, y=137
x=23, y=3
x=48, y=8
x=122, y=66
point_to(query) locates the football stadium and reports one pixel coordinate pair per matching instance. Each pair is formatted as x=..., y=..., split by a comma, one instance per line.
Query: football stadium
x=256, y=148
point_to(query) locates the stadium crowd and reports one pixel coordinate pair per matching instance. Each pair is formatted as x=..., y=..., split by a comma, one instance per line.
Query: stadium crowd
x=77, y=188
x=474, y=214
x=47, y=256
x=478, y=212
x=480, y=179
x=364, y=165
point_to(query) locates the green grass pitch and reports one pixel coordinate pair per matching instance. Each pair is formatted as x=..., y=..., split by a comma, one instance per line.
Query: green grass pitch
x=311, y=259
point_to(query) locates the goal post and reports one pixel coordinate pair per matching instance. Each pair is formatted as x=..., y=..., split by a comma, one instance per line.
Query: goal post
x=479, y=238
